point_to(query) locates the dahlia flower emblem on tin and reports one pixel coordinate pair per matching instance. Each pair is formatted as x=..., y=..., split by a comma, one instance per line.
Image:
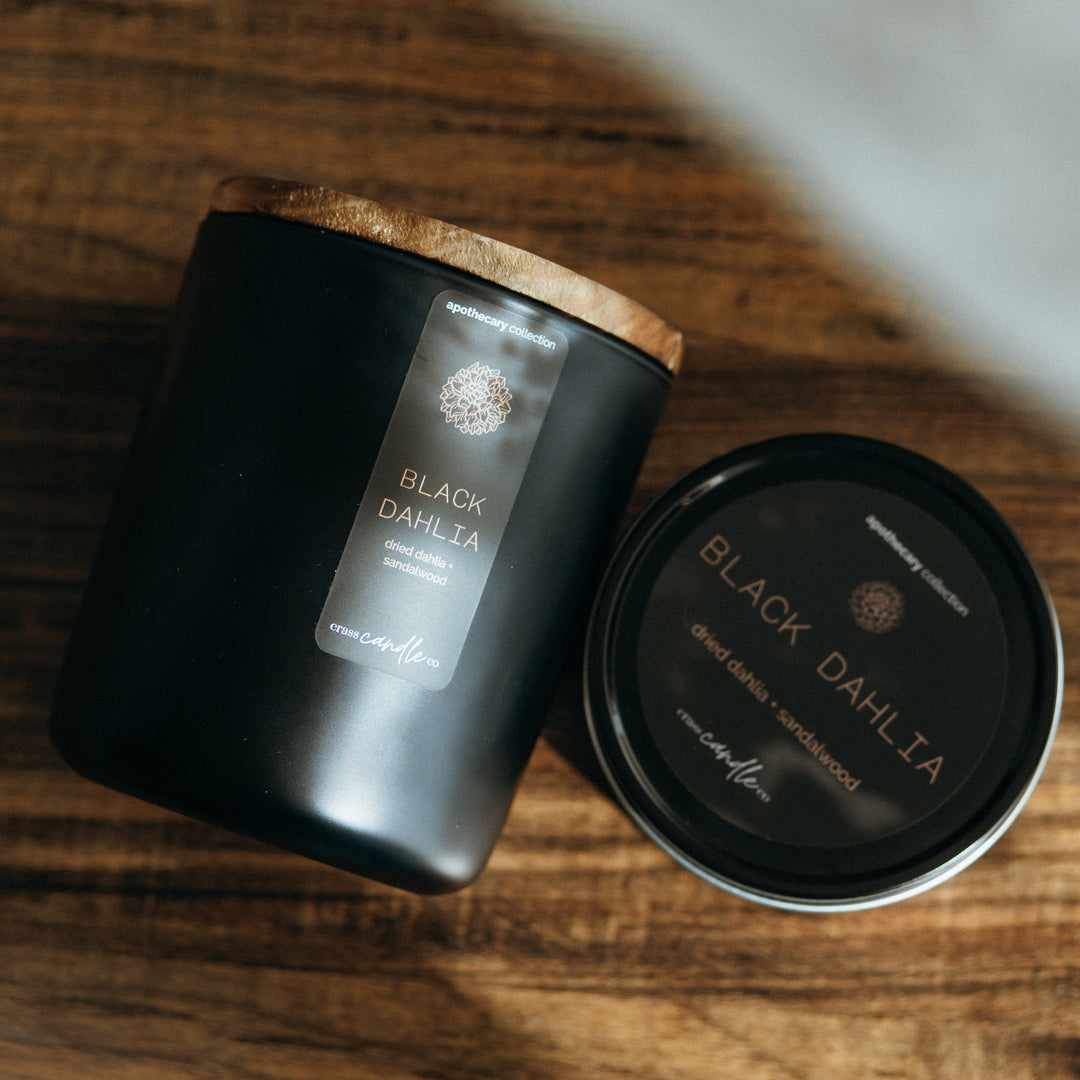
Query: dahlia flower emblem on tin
x=877, y=606
x=475, y=399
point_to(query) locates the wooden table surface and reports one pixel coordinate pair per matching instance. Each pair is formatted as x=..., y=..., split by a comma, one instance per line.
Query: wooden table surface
x=137, y=944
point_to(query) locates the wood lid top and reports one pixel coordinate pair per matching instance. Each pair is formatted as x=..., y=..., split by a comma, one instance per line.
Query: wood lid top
x=510, y=267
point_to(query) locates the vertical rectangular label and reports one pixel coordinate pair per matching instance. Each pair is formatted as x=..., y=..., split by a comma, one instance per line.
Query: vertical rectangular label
x=446, y=477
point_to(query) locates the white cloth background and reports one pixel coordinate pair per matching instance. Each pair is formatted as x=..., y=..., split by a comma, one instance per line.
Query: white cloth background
x=940, y=136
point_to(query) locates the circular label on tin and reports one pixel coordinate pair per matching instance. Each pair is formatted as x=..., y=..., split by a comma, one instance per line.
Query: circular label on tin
x=821, y=663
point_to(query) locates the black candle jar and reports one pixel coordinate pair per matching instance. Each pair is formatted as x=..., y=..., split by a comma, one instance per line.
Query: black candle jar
x=366, y=499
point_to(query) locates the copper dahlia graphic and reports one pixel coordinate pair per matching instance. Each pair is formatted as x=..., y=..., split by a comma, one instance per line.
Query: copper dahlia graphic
x=475, y=399
x=877, y=606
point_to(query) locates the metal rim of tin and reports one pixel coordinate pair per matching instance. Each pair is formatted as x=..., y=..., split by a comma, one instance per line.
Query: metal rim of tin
x=627, y=765
x=520, y=271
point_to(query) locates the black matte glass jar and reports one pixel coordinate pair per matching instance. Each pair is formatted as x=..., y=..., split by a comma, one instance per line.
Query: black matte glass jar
x=365, y=502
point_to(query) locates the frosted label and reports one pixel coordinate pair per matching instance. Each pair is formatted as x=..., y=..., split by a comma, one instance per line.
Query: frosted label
x=442, y=489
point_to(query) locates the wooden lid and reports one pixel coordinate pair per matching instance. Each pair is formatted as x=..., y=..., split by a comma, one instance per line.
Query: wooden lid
x=491, y=260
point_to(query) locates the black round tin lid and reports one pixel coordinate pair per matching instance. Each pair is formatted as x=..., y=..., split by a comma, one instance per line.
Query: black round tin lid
x=822, y=673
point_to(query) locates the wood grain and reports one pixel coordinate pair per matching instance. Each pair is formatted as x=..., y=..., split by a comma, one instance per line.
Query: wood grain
x=136, y=944
x=520, y=271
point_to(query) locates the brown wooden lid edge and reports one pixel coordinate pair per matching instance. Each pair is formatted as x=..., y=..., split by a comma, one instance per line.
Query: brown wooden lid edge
x=492, y=260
